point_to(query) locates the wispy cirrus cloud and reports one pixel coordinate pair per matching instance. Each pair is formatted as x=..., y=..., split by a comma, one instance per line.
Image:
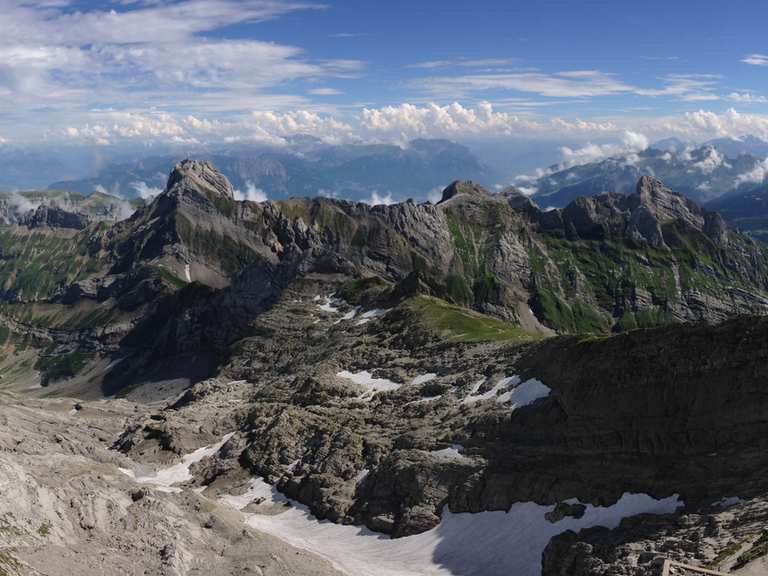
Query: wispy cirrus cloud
x=464, y=63
x=756, y=59
x=568, y=84
x=746, y=98
x=572, y=84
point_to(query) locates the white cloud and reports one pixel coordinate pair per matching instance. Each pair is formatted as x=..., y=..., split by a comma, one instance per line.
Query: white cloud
x=252, y=194
x=685, y=87
x=436, y=194
x=377, y=199
x=527, y=190
x=747, y=98
x=755, y=176
x=408, y=121
x=706, y=124
x=149, y=55
x=573, y=84
x=20, y=203
x=631, y=142
x=464, y=63
x=583, y=126
x=145, y=191
x=756, y=59
x=325, y=92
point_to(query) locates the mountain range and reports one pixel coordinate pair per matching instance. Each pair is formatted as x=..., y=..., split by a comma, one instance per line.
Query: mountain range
x=442, y=373
x=306, y=166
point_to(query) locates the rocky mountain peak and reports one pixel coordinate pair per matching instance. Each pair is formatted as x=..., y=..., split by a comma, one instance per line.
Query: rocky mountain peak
x=200, y=175
x=664, y=204
x=463, y=187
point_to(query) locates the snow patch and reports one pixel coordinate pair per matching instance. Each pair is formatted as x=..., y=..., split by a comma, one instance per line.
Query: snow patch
x=366, y=379
x=455, y=452
x=165, y=479
x=524, y=394
x=186, y=273
x=366, y=317
x=488, y=543
x=331, y=304
x=423, y=379
x=509, y=390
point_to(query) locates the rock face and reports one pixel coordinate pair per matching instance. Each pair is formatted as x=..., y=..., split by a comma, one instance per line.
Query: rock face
x=200, y=175
x=53, y=217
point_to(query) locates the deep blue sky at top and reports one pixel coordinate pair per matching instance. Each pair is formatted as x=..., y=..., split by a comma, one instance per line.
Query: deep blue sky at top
x=640, y=42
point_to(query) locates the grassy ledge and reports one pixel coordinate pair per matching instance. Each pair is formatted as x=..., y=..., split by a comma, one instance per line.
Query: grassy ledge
x=463, y=325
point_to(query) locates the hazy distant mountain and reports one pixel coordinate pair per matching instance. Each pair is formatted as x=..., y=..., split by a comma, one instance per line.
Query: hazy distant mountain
x=735, y=147
x=702, y=173
x=746, y=210
x=308, y=167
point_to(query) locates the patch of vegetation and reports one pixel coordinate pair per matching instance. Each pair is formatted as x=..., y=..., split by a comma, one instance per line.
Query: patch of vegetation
x=5, y=333
x=758, y=549
x=44, y=530
x=364, y=289
x=648, y=318
x=34, y=265
x=331, y=219
x=61, y=366
x=168, y=276
x=458, y=290
x=226, y=206
x=461, y=324
x=723, y=555
x=574, y=317
x=231, y=255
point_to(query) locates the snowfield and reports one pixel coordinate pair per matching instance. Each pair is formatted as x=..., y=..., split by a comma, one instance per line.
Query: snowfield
x=485, y=544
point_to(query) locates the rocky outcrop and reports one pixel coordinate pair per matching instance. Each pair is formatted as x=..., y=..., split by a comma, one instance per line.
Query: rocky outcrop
x=53, y=217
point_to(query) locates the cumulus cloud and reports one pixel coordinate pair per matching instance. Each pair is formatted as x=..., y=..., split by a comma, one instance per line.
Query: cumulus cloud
x=631, y=142
x=145, y=191
x=252, y=193
x=436, y=194
x=755, y=176
x=408, y=121
x=376, y=199
x=109, y=125
x=20, y=203
x=707, y=124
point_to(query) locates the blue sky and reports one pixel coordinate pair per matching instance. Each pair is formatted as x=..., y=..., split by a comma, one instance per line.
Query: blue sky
x=615, y=74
